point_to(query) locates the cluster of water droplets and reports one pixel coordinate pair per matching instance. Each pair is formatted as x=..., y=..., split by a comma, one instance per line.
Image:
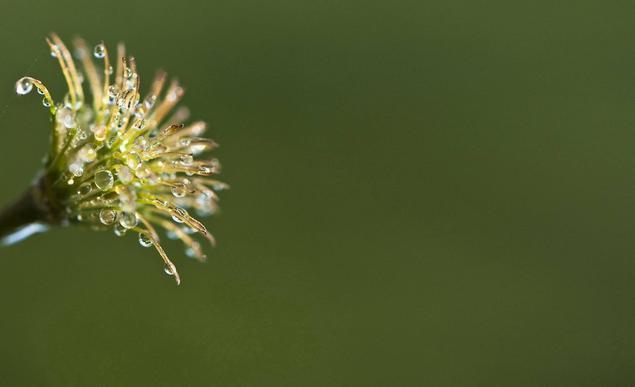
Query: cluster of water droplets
x=122, y=167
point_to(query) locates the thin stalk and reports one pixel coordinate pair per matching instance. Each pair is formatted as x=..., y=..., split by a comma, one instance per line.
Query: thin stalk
x=32, y=212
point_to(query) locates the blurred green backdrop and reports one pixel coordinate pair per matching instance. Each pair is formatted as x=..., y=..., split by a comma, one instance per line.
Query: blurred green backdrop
x=424, y=193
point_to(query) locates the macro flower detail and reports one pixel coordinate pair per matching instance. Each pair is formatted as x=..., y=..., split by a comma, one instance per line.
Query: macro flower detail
x=118, y=160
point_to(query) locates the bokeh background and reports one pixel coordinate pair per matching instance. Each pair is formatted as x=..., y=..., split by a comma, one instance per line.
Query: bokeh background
x=424, y=193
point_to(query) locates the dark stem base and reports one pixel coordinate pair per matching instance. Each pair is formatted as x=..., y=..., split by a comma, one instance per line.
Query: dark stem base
x=33, y=207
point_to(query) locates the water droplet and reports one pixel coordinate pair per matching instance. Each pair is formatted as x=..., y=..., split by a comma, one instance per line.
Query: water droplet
x=99, y=51
x=132, y=161
x=175, y=94
x=145, y=240
x=194, y=251
x=187, y=159
x=150, y=101
x=128, y=219
x=127, y=198
x=87, y=154
x=70, y=181
x=202, y=199
x=77, y=169
x=68, y=121
x=120, y=230
x=142, y=172
x=65, y=117
x=178, y=190
x=185, y=141
x=23, y=86
x=46, y=102
x=139, y=125
x=180, y=215
x=84, y=189
x=104, y=179
x=141, y=144
x=99, y=132
x=168, y=270
x=124, y=174
x=157, y=149
x=111, y=140
x=107, y=216
x=53, y=51
x=205, y=170
x=171, y=234
x=110, y=70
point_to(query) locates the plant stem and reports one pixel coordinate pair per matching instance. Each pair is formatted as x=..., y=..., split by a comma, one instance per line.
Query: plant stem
x=30, y=213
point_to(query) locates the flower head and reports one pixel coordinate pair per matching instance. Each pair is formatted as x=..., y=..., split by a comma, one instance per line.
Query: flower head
x=123, y=161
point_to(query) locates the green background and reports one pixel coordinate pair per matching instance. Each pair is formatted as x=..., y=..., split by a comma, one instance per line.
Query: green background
x=424, y=193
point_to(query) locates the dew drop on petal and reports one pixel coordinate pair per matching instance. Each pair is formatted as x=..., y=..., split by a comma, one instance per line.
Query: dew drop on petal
x=99, y=51
x=84, y=189
x=120, y=230
x=77, y=169
x=107, y=216
x=205, y=170
x=187, y=159
x=145, y=240
x=141, y=143
x=178, y=190
x=142, y=172
x=104, y=179
x=87, y=154
x=128, y=219
x=23, y=86
x=132, y=161
x=99, y=132
x=180, y=215
x=174, y=95
x=111, y=141
x=68, y=122
x=125, y=176
x=139, y=125
x=65, y=117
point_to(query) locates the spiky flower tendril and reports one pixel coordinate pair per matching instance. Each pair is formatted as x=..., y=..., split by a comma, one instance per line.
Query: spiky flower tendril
x=120, y=161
